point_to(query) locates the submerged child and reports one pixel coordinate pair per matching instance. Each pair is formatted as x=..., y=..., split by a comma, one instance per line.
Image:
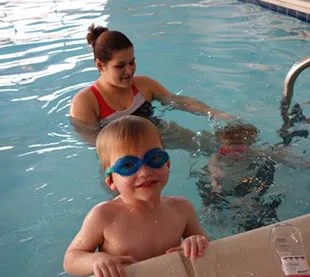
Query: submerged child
x=240, y=174
x=236, y=158
x=139, y=223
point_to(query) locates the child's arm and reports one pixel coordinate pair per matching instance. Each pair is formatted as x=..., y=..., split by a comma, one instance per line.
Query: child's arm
x=195, y=240
x=81, y=258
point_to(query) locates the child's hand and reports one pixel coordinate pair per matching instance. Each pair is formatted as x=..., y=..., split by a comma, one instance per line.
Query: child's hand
x=106, y=265
x=193, y=246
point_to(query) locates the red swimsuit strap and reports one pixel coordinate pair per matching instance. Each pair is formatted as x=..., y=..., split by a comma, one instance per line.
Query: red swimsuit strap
x=105, y=109
x=134, y=90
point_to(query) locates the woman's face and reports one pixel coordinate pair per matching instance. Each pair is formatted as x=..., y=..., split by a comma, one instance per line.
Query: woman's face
x=119, y=71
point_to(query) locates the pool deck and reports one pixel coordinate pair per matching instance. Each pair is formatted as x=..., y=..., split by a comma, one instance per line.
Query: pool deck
x=296, y=8
x=247, y=254
x=297, y=5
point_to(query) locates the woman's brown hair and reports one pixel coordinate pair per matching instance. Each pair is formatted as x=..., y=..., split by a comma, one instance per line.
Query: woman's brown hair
x=105, y=42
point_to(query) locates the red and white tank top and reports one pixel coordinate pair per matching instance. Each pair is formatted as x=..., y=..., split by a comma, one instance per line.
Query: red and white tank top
x=107, y=114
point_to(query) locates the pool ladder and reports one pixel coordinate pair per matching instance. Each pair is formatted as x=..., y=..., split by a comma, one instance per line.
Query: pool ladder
x=288, y=90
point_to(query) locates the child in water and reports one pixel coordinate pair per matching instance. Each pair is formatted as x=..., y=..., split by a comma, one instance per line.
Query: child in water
x=234, y=159
x=240, y=174
x=139, y=223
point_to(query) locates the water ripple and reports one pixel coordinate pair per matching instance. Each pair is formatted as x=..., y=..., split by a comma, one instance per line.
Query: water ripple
x=47, y=149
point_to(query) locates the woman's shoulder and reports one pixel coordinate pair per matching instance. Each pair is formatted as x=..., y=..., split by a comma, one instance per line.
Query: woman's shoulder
x=83, y=94
x=84, y=106
x=82, y=99
x=150, y=86
x=146, y=82
x=142, y=79
x=144, y=85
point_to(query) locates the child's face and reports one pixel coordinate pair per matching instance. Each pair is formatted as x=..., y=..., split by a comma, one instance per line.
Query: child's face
x=147, y=181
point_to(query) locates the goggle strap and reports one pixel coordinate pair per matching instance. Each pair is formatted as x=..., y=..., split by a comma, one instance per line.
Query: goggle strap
x=108, y=172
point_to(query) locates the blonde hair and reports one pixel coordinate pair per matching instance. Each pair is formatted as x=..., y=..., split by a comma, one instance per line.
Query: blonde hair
x=126, y=132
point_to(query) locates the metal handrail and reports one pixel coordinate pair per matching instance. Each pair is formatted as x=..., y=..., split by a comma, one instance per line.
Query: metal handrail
x=288, y=90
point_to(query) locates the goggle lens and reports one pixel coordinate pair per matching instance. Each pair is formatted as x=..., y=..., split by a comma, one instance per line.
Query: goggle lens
x=129, y=165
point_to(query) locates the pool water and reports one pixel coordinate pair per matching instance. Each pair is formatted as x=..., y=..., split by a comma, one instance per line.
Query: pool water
x=231, y=55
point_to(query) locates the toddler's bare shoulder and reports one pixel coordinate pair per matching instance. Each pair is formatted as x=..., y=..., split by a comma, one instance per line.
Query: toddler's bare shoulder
x=104, y=211
x=178, y=201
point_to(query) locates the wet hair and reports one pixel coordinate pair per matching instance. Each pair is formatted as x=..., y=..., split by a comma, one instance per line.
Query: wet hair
x=105, y=42
x=127, y=132
x=237, y=133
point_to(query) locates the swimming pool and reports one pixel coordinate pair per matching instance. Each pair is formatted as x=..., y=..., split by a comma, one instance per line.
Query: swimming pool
x=231, y=55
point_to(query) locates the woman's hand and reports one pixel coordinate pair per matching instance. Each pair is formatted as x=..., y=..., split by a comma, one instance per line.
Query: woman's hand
x=193, y=247
x=106, y=265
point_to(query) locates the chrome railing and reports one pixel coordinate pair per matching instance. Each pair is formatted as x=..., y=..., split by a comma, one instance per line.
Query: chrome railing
x=288, y=90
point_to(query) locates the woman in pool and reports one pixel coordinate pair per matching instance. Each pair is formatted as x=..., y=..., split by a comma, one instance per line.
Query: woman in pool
x=118, y=92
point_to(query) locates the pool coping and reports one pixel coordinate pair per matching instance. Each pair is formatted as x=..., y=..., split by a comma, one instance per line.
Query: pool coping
x=299, y=9
x=246, y=254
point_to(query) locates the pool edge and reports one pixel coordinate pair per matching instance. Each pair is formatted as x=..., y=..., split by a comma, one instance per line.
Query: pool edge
x=246, y=254
x=299, y=9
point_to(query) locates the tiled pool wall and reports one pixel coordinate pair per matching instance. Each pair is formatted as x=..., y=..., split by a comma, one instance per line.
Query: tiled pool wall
x=277, y=8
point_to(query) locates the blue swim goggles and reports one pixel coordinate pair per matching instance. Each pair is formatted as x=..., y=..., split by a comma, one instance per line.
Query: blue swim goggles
x=129, y=165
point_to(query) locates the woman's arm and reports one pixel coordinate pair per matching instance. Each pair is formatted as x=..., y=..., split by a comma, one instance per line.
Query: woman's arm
x=87, y=131
x=194, y=106
x=82, y=107
x=83, y=117
x=184, y=103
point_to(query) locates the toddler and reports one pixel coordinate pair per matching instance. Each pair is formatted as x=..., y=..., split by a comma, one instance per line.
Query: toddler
x=139, y=223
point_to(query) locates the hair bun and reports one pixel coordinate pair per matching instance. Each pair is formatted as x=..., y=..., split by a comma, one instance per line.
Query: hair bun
x=94, y=32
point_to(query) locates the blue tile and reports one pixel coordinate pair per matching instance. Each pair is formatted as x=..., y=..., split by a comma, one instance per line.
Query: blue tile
x=282, y=10
x=273, y=7
x=292, y=13
x=303, y=16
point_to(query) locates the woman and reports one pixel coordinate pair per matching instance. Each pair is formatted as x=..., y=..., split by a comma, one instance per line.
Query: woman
x=118, y=92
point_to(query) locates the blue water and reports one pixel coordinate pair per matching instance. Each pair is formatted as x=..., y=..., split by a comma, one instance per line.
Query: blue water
x=231, y=55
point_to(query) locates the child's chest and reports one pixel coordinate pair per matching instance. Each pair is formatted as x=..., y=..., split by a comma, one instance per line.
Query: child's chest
x=144, y=237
